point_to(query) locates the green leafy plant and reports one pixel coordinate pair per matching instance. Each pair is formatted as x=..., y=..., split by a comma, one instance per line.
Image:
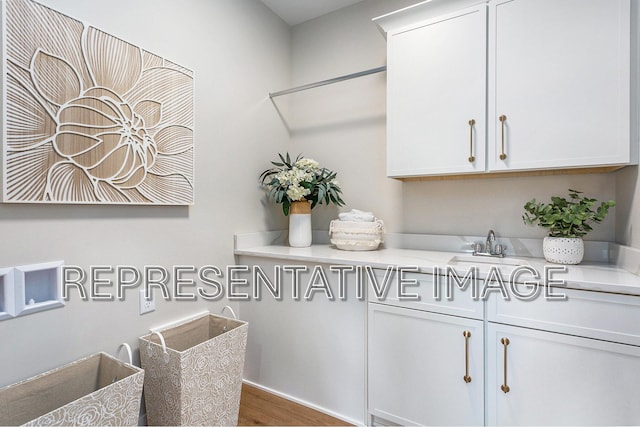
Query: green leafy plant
x=301, y=179
x=567, y=217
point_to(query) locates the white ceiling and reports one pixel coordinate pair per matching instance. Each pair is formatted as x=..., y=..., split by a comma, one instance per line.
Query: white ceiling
x=297, y=11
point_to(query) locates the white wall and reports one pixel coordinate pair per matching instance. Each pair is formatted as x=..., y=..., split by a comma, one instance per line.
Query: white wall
x=628, y=208
x=343, y=126
x=239, y=52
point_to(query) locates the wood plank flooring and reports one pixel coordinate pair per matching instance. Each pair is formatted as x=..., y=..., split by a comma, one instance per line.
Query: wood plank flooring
x=259, y=408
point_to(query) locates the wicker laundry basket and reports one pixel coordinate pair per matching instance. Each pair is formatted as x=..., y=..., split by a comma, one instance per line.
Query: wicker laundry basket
x=96, y=390
x=194, y=372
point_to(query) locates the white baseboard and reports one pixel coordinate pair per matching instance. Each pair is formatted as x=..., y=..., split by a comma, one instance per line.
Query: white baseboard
x=305, y=403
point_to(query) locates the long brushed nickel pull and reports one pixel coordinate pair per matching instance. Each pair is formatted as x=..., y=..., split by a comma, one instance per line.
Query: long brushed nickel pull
x=467, y=335
x=471, y=156
x=504, y=387
x=503, y=119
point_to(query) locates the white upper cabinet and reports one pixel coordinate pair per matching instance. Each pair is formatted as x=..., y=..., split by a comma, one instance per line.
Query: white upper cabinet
x=436, y=95
x=546, y=84
x=559, y=76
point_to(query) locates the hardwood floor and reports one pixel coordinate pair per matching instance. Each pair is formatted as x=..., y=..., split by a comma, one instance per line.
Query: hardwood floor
x=259, y=408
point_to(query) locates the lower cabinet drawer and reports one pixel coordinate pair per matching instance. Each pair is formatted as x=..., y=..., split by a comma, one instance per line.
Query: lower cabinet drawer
x=609, y=317
x=422, y=291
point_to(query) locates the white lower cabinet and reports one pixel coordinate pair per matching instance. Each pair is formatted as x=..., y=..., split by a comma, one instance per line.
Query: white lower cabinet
x=572, y=362
x=425, y=368
x=558, y=379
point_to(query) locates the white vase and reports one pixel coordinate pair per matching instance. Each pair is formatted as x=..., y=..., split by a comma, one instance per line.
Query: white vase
x=300, y=224
x=563, y=250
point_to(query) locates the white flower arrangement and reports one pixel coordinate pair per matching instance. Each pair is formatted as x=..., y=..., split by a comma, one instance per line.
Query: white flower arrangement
x=302, y=179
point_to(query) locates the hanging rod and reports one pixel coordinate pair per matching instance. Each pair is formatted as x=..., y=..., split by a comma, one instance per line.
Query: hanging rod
x=329, y=81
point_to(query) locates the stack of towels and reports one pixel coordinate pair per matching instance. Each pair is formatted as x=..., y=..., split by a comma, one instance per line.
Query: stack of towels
x=356, y=215
x=356, y=231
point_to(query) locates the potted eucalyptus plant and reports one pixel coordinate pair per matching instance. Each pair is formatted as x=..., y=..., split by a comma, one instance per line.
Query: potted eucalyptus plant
x=567, y=220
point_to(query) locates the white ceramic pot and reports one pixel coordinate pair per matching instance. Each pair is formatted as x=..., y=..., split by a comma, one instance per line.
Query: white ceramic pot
x=300, y=224
x=563, y=250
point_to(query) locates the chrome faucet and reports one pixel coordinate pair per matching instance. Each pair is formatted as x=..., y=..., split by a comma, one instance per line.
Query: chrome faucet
x=490, y=247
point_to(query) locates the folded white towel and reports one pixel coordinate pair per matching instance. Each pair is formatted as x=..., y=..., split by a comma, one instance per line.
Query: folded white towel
x=357, y=215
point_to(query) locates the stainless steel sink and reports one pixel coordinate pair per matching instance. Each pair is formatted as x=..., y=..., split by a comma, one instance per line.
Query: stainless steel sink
x=480, y=261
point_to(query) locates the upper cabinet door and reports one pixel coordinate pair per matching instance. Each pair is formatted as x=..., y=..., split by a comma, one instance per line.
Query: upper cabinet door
x=436, y=91
x=559, y=84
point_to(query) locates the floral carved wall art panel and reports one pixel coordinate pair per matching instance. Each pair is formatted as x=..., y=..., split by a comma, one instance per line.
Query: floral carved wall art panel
x=90, y=118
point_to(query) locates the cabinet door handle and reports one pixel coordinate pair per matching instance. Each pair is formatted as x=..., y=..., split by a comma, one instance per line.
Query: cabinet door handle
x=467, y=335
x=503, y=119
x=504, y=387
x=471, y=156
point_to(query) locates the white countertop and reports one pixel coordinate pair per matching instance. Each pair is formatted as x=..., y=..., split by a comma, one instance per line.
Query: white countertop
x=589, y=275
